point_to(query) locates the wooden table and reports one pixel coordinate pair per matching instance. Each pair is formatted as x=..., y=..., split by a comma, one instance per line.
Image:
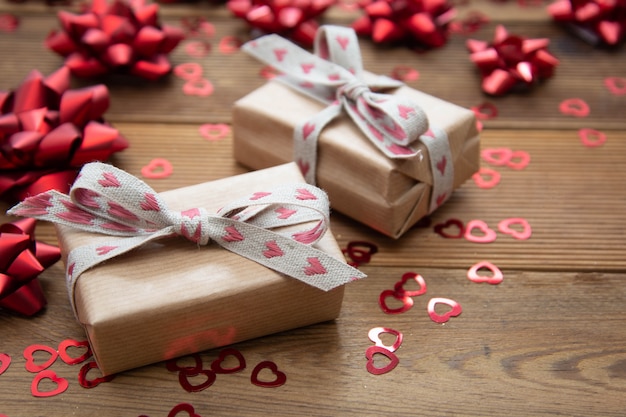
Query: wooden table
x=549, y=340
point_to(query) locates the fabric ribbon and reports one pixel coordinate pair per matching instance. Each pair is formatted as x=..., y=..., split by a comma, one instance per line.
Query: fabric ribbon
x=334, y=75
x=22, y=259
x=107, y=200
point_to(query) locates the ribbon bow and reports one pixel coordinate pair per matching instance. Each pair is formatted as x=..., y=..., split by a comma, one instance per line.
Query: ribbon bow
x=334, y=76
x=110, y=201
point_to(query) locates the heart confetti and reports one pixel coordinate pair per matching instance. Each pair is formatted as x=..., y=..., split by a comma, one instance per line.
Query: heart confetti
x=91, y=383
x=591, y=138
x=5, y=361
x=496, y=156
x=198, y=87
x=279, y=377
x=442, y=229
x=217, y=364
x=8, y=22
x=197, y=49
x=229, y=45
x=172, y=364
x=185, y=374
x=495, y=278
x=188, y=71
x=485, y=111
x=505, y=227
x=576, y=107
x=616, y=85
x=443, y=318
x=518, y=160
x=360, y=252
x=157, y=168
x=486, y=178
x=186, y=407
x=407, y=302
x=399, y=286
x=374, y=336
x=61, y=384
x=371, y=352
x=65, y=357
x=29, y=352
x=405, y=73
x=488, y=235
x=214, y=132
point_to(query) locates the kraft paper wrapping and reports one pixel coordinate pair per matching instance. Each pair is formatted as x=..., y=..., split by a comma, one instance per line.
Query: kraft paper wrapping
x=388, y=195
x=174, y=298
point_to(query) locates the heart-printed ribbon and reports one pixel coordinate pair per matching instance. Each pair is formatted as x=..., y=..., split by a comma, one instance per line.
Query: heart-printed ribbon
x=334, y=75
x=107, y=200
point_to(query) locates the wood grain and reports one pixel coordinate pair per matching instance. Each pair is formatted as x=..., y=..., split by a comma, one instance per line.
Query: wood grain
x=549, y=340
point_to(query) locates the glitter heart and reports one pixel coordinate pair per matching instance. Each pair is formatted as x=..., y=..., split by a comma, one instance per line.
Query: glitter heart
x=229, y=45
x=374, y=336
x=157, y=168
x=185, y=374
x=407, y=302
x=442, y=318
x=615, y=85
x=216, y=365
x=399, y=286
x=591, y=137
x=574, y=107
x=172, y=364
x=496, y=276
x=279, y=377
x=188, y=70
x=488, y=235
x=30, y=361
x=198, y=87
x=198, y=49
x=486, y=178
x=405, y=73
x=90, y=383
x=518, y=160
x=5, y=361
x=214, y=132
x=65, y=357
x=360, y=252
x=496, y=156
x=485, y=111
x=374, y=350
x=61, y=384
x=442, y=229
x=505, y=227
x=186, y=407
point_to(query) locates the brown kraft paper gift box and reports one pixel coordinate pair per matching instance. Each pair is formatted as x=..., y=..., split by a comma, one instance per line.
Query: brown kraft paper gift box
x=174, y=297
x=388, y=195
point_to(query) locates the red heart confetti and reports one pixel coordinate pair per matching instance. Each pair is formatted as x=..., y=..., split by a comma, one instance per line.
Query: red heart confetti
x=488, y=235
x=615, y=85
x=405, y=73
x=213, y=132
x=218, y=368
x=61, y=384
x=443, y=318
x=486, y=178
x=65, y=357
x=185, y=374
x=374, y=336
x=197, y=49
x=377, y=350
x=157, y=168
x=172, y=364
x=505, y=227
x=496, y=276
x=91, y=383
x=279, y=380
x=5, y=361
x=442, y=229
x=591, y=137
x=186, y=407
x=407, y=302
x=485, y=111
x=360, y=252
x=30, y=364
x=198, y=87
x=518, y=160
x=399, y=286
x=8, y=22
x=496, y=156
x=576, y=107
x=229, y=45
x=188, y=70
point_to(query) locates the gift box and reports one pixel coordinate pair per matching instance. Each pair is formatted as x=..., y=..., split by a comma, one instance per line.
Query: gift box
x=174, y=297
x=389, y=195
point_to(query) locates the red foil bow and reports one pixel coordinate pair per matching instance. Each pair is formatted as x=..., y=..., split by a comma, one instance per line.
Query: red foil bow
x=293, y=19
x=417, y=23
x=596, y=21
x=511, y=61
x=47, y=131
x=118, y=37
x=22, y=259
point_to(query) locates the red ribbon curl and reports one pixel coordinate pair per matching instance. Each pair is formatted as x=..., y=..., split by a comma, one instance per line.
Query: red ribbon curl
x=596, y=21
x=47, y=131
x=22, y=259
x=292, y=19
x=511, y=61
x=119, y=37
x=416, y=23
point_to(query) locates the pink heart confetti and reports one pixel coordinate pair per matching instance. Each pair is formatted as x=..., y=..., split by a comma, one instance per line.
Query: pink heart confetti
x=229, y=45
x=374, y=336
x=487, y=235
x=8, y=22
x=5, y=361
x=591, y=138
x=371, y=352
x=505, y=227
x=188, y=71
x=486, y=178
x=616, y=85
x=518, y=160
x=485, y=111
x=157, y=168
x=407, y=302
x=405, y=73
x=443, y=318
x=197, y=49
x=495, y=278
x=576, y=107
x=172, y=364
x=198, y=87
x=213, y=132
x=496, y=156
x=401, y=292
